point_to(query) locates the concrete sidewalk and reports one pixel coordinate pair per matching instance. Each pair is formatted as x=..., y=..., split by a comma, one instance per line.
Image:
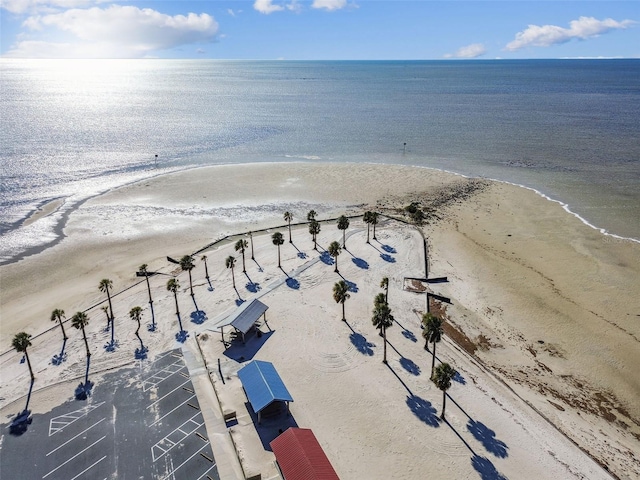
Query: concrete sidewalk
x=222, y=446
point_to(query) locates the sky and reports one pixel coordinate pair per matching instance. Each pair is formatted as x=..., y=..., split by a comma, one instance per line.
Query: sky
x=319, y=29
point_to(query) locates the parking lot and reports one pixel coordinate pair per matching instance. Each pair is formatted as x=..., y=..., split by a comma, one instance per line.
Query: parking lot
x=140, y=422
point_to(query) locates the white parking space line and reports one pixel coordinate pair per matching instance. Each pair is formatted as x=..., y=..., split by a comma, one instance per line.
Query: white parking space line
x=185, y=462
x=77, y=454
x=172, y=442
x=89, y=468
x=169, y=393
x=170, y=412
x=72, y=438
x=59, y=423
x=159, y=377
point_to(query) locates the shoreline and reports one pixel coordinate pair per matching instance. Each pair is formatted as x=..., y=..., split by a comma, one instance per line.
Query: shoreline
x=520, y=270
x=58, y=229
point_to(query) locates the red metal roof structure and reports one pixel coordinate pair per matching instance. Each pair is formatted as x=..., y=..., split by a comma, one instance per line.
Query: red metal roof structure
x=301, y=457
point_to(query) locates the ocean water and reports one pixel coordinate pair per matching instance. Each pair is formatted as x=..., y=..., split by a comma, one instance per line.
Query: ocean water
x=74, y=129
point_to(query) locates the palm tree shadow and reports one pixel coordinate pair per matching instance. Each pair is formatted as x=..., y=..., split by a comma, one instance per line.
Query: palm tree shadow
x=210, y=288
x=83, y=390
x=293, y=283
x=259, y=267
x=459, y=378
x=141, y=353
x=182, y=336
x=300, y=253
x=199, y=317
x=387, y=258
x=360, y=342
x=410, y=366
x=60, y=357
x=22, y=420
x=399, y=379
x=326, y=258
x=486, y=469
x=388, y=248
x=423, y=409
x=487, y=437
x=111, y=346
x=239, y=297
x=406, y=333
x=252, y=286
x=361, y=263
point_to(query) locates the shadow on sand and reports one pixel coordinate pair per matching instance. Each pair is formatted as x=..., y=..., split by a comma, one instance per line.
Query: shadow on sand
x=486, y=469
x=487, y=437
x=275, y=419
x=360, y=263
x=60, y=357
x=293, y=283
x=242, y=352
x=22, y=420
x=423, y=409
x=83, y=390
x=326, y=258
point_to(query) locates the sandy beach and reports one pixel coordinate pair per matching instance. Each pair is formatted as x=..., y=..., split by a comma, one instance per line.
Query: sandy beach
x=543, y=327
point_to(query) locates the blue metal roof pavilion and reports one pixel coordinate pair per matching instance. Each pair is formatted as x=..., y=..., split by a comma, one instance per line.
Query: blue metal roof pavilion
x=263, y=386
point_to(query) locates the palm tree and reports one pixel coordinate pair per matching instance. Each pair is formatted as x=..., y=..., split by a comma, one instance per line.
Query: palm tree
x=21, y=342
x=143, y=270
x=206, y=269
x=343, y=224
x=378, y=300
x=277, y=240
x=382, y=319
x=251, y=238
x=186, y=264
x=374, y=221
x=384, y=283
x=314, y=230
x=288, y=216
x=442, y=378
x=173, y=286
x=58, y=316
x=432, y=332
x=79, y=321
x=105, y=286
x=240, y=246
x=311, y=215
x=334, y=250
x=341, y=294
x=230, y=262
x=135, y=314
x=105, y=309
x=367, y=219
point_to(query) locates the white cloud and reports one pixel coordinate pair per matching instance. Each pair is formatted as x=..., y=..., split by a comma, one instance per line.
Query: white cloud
x=547, y=35
x=115, y=32
x=267, y=6
x=329, y=5
x=44, y=6
x=470, y=51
